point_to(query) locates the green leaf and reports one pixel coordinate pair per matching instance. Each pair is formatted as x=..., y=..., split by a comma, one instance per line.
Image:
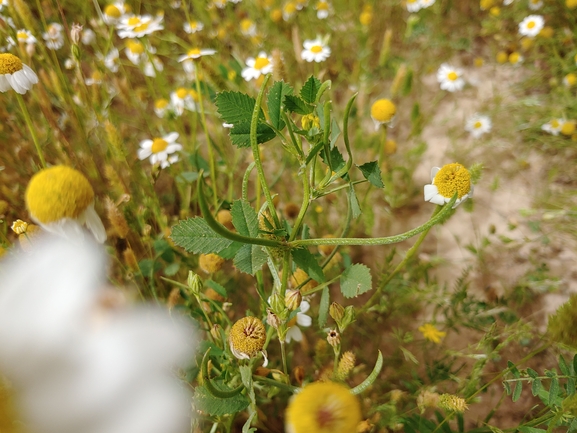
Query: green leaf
x=194, y=235
x=148, y=267
x=354, y=202
x=575, y=364
x=324, y=307
x=553, y=391
x=275, y=99
x=240, y=134
x=244, y=218
x=250, y=258
x=514, y=370
x=235, y=107
x=507, y=388
x=215, y=406
x=171, y=269
x=310, y=89
x=527, y=429
x=230, y=251
x=371, y=377
x=308, y=263
x=563, y=366
x=297, y=105
x=337, y=159
x=517, y=391
x=372, y=173
x=356, y=280
x=217, y=288
x=536, y=386
x=532, y=373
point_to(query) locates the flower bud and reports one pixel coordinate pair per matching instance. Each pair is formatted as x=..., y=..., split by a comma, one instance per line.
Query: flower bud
x=272, y=319
x=293, y=299
x=194, y=283
x=334, y=338
x=337, y=312
x=75, y=33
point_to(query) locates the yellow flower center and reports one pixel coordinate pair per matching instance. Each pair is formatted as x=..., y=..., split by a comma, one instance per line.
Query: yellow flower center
x=192, y=93
x=141, y=28
x=245, y=25
x=571, y=79
x=97, y=76
x=160, y=104
x=323, y=407
x=135, y=47
x=133, y=21
x=58, y=192
x=453, y=178
x=9, y=63
x=316, y=49
x=112, y=11
x=158, y=145
x=290, y=8
x=195, y=52
x=568, y=128
x=181, y=92
x=383, y=110
x=452, y=76
x=554, y=123
x=248, y=336
x=530, y=24
x=514, y=58
x=261, y=62
x=477, y=125
x=193, y=25
x=22, y=36
x=323, y=6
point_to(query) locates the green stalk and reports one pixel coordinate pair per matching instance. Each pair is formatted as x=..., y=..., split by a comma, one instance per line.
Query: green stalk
x=31, y=128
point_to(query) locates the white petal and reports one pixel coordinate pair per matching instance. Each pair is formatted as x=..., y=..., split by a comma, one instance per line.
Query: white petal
x=171, y=148
x=430, y=191
x=294, y=333
x=171, y=137
x=438, y=199
x=304, y=320
x=94, y=223
x=4, y=84
x=144, y=153
x=434, y=172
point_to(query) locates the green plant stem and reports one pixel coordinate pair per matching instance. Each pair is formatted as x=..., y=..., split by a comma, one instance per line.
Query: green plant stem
x=211, y=160
x=245, y=179
x=274, y=383
x=256, y=152
x=286, y=260
x=304, y=206
x=31, y=129
x=283, y=356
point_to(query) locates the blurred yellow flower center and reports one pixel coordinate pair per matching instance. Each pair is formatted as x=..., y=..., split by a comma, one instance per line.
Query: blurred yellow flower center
x=161, y=103
x=290, y=8
x=192, y=93
x=245, y=25
x=261, y=62
x=135, y=47
x=9, y=63
x=514, y=58
x=141, y=28
x=22, y=36
x=322, y=6
x=383, y=110
x=181, y=92
x=530, y=24
x=97, y=76
x=195, y=52
x=133, y=21
x=316, y=48
x=554, y=123
x=568, y=128
x=452, y=76
x=58, y=192
x=158, y=145
x=477, y=125
x=247, y=336
x=112, y=11
x=193, y=25
x=453, y=178
x=571, y=79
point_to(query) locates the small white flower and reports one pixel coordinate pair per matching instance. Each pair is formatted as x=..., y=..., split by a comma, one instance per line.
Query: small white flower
x=193, y=27
x=553, y=126
x=136, y=51
x=451, y=79
x=324, y=9
x=111, y=60
x=535, y=4
x=301, y=319
x=478, y=125
x=315, y=51
x=3, y=5
x=446, y=181
x=413, y=5
x=88, y=36
x=196, y=53
x=262, y=65
x=507, y=2
x=248, y=27
x=15, y=75
x=77, y=365
x=94, y=79
x=182, y=99
x=114, y=12
x=531, y=25
x=25, y=36
x=427, y=3
x=136, y=26
x=159, y=149
x=150, y=68
x=54, y=37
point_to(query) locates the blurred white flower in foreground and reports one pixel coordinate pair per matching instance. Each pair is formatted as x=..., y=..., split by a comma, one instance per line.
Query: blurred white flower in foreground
x=79, y=365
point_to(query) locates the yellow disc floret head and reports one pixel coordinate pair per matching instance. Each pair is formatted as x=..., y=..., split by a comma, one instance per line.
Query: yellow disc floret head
x=453, y=178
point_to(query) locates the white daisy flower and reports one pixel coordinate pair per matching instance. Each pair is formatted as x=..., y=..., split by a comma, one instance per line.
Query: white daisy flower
x=182, y=99
x=248, y=27
x=189, y=68
x=446, y=181
x=427, y=3
x=15, y=75
x=3, y=5
x=413, y=5
x=324, y=9
x=135, y=51
x=553, y=126
x=111, y=60
x=114, y=12
x=136, y=26
x=531, y=25
x=478, y=125
x=262, y=65
x=94, y=79
x=535, y=4
x=196, y=53
x=25, y=36
x=451, y=79
x=301, y=319
x=150, y=68
x=161, y=107
x=159, y=149
x=315, y=51
x=507, y=2
x=54, y=37
x=74, y=363
x=88, y=36
x=193, y=26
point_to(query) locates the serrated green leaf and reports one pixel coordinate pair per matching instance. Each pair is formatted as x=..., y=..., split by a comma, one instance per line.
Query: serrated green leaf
x=308, y=263
x=517, y=391
x=244, y=218
x=250, y=258
x=337, y=160
x=553, y=391
x=372, y=172
x=275, y=100
x=354, y=202
x=297, y=105
x=563, y=366
x=356, y=280
x=230, y=251
x=215, y=406
x=217, y=288
x=310, y=89
x=324, y=307
x=240, y=134
x=194, y=235
x=536, y=386
x=235, y=107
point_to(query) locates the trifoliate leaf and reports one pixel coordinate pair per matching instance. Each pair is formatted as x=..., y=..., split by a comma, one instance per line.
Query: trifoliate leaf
x=308, y=263
x=372, y=173
x=297, y=105
x=250, y=258
x=356, y=280
x=194, y=235
x=310, y=89
x=244, y=218
x=337, y=160
x=240, y=133
x=275, y=99
x=235, y=107
x=215, y=406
